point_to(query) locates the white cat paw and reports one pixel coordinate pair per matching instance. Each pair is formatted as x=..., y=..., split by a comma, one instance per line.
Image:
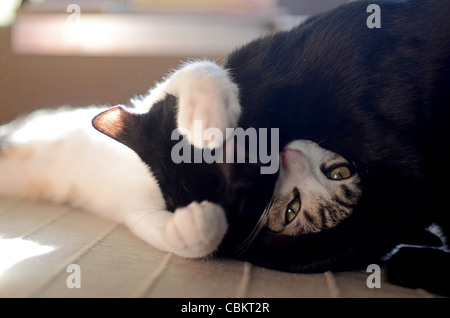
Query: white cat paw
x=196, y=230
x=208, y=98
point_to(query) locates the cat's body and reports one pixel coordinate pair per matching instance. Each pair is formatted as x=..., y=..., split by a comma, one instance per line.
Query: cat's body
x=376, y=100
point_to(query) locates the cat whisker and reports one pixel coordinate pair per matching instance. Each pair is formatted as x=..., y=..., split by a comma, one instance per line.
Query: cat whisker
x=244, y=245
x=323, y=140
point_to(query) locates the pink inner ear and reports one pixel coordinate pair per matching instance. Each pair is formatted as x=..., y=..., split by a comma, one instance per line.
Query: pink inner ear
x=111, y=121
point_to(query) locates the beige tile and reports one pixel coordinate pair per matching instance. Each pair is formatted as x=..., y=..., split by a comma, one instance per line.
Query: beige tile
x=20, y=218
x=118, y=265
x=271, y=283
x=68, y=236
x=114, y=263
x=198, y=278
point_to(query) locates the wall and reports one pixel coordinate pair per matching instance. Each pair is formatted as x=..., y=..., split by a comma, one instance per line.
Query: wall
x=31, y=82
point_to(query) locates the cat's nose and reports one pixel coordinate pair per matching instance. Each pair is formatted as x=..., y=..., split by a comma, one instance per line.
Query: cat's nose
x=288, y=156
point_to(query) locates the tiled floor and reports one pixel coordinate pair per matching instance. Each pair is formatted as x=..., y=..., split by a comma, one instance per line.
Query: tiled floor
x=39, y=242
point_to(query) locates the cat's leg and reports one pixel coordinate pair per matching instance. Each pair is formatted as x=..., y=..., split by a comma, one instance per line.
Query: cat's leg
x=196, y=230
x=149, y=225
x=208, y=98
x=193, y=231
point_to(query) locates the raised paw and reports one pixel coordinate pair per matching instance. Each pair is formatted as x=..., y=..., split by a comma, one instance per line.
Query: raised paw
x=196, y=230
x=207, y=99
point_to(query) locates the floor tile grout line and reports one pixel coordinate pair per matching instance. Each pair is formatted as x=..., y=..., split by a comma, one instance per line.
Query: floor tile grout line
x=244, y=282
x=156, y=274
x=332, y=285
x=62, y=211
x=52, y=219
x=63, y=265
x=14, y=204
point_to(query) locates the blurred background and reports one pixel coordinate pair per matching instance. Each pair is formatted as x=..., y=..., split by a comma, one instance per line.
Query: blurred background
x=80, y=52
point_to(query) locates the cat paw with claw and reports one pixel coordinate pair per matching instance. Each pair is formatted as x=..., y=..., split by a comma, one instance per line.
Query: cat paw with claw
x=196, y=230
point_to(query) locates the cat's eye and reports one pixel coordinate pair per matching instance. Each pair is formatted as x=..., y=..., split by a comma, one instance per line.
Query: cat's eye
x=339, y=173
x=292, y=210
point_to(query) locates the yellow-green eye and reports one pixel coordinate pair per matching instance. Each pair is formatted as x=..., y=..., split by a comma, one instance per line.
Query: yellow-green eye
x=339, y=173
x=292, y=210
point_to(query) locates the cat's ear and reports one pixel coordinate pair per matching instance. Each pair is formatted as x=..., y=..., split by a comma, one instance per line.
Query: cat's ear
x=121, y=125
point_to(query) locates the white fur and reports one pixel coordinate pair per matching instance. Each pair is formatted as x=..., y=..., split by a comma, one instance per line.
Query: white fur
x=58, y=156
x=205, y=93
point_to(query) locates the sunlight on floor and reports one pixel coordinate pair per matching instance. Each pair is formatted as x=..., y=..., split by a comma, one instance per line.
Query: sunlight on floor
x=14, y=250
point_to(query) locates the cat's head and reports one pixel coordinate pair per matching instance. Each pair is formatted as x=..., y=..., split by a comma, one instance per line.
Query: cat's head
x=315, y=190
x=149, y=135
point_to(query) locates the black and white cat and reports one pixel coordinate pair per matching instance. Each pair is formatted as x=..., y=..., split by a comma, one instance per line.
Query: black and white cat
x=363, y=123
x=375, y=100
